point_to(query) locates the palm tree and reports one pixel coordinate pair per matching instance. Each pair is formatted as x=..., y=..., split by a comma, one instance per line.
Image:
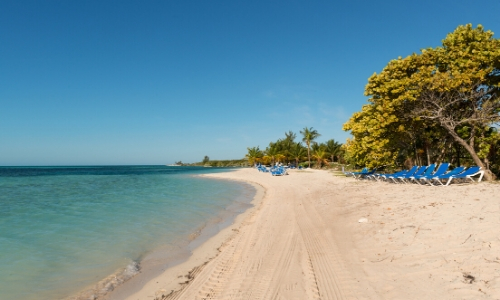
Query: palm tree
x=272, y=151
x=320, y=155
x=280, y=157
x=333, y=148
x=254, y=155
x=290, y=136
x=298, y=152
x=309, y=135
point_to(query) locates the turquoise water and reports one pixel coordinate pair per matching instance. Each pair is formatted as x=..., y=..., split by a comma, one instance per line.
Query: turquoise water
x=62, y=229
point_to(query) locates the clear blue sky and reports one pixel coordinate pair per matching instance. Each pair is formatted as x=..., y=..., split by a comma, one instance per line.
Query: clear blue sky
x=153, y=82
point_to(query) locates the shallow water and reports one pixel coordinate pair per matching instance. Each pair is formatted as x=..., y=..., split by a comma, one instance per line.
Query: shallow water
x=64, y=228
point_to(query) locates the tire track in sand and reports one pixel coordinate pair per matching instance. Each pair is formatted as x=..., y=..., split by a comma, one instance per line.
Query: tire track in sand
x=306, y=265
x=260, y=283
x=212, y=282
x=327, y=267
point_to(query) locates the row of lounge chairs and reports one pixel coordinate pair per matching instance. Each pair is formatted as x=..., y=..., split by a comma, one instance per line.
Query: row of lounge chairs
x=423, y=175
x=275, y=171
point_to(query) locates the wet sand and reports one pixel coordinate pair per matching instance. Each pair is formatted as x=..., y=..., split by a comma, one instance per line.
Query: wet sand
x=303, y=240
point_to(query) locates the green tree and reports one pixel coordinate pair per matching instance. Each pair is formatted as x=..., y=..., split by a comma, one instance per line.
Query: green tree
x=320, y=155
x=206, y=159
x=333, y=149
x=254, y=155
x=309, y=135
x=298, y=152
x=449, y=91
x=272, y=151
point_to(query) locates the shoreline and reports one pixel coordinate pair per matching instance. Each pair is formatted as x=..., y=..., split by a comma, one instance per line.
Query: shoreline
x=198, y=247
x=130, y=278
x=316, y=235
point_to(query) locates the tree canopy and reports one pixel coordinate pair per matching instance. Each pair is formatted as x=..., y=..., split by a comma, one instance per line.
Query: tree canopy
x=287, y=150
x=440, y=99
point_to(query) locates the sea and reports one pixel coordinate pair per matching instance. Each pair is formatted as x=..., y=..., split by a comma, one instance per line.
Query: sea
x=64, y=229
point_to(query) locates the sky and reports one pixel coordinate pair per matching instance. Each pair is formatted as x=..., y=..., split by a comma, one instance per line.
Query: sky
x=154, y=82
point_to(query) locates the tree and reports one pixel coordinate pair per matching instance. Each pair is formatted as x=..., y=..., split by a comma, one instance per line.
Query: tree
x=206, y=159
x=271, y=152
x=290, y=136
x=254, y=155
x=280, y=157
x=413, y=99
x=472, y=110
x=298, y=152
x=309, y=135
x=333, y=148
x=320, y=155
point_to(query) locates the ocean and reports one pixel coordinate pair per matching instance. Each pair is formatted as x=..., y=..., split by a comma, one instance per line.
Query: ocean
x=63, y=229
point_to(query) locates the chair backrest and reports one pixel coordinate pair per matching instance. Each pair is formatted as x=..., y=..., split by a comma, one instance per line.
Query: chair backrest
x=441, y=169
x=403, y=172
x=420, y=171
x=455, y=171
x=412, y=171
x=469, y=171
x=429, y=170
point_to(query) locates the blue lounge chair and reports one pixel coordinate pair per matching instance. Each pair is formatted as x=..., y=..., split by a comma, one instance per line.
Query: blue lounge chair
x=380, y=176
x=427, y=172
x=455, y=171
x=365, y=175
x=403, y=178
x=467, y=174
x=409, y=173
x=364, y=171
x=441, y=170
x=280, y=171
x=263, y=169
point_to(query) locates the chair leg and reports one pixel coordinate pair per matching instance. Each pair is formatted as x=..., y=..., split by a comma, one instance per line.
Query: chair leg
x=480, y=176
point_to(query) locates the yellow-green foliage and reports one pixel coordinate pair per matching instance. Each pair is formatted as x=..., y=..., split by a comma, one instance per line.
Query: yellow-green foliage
x=385, y=125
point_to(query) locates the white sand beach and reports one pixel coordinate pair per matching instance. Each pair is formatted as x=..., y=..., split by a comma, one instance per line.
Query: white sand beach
x=303, y=240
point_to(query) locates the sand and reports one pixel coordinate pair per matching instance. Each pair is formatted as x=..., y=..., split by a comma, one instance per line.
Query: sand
x=303, y=240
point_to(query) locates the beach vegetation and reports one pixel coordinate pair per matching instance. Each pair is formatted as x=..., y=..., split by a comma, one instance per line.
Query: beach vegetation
x=220, y=163
x=320, y=155
x=308, y=136
x=254, y=155
x=299, y=153
x=440, y=104
x=333, y=149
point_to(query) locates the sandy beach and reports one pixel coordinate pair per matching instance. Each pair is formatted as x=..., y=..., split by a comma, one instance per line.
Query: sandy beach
x=303, y=239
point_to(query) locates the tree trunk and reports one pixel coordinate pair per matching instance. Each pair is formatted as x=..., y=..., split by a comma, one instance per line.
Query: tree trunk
x=427, y=153
x=308, y=155
x=488, y=175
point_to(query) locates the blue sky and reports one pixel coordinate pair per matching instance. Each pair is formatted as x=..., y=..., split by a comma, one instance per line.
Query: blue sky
x=153, y=82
